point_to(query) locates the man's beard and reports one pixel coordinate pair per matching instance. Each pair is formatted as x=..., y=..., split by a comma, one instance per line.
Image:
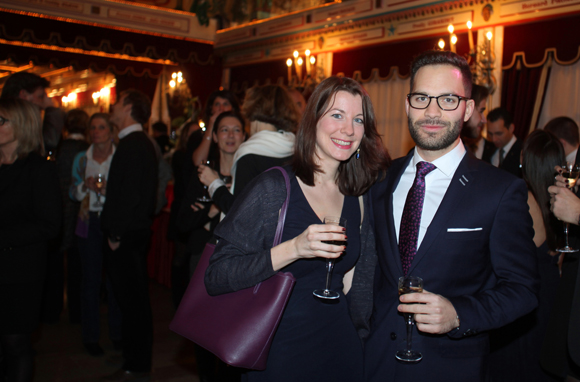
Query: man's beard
x=432, y=141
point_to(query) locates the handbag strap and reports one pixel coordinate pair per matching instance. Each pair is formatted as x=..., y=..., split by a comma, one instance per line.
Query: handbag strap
x=284, y=209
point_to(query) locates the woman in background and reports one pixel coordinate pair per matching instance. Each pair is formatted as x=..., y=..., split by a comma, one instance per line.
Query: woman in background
x=273, y=117
x=86, y=167
x=516, y=348
x=30, y=207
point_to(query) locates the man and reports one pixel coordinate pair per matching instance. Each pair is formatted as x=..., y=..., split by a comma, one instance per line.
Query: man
x=126, y=220
x=471, y=132
x=567, y=132
x=32, y=88
x=500, y=130
x=477, y=260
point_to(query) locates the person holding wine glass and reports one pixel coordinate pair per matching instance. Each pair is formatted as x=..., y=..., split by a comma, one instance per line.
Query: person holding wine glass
x=198, y=220
x=338, y=155
x=89, y=176
x=456, y=222
x=30, y=207
x=516, y=347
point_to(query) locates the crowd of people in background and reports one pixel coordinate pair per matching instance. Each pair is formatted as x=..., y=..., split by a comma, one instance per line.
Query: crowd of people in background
x=91, y=205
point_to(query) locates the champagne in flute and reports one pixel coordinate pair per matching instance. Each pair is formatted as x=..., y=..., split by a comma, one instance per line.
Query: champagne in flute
x=409, y=284
x=326, y=293
x=570, y=171
x=99, y=183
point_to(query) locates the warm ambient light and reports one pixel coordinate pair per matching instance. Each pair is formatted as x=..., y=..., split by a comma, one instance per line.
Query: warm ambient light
x=454, y=39
x=295, y=54
x=441, y=44
x=300, y=61
x=312, y=60
x=307, y=52
x=450, y=28
x=469, y=25
x=289, y=62
x=489, y=35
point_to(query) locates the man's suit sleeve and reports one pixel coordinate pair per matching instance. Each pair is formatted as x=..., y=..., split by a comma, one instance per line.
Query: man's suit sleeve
x=513, y=258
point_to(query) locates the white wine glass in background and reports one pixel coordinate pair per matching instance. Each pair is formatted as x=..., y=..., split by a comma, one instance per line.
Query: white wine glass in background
x=99, y=183
x=570, y=171
x=326, y=293
x=205, y=197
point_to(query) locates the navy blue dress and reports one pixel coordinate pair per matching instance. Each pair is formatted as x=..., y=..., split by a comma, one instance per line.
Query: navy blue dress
x=316, y=339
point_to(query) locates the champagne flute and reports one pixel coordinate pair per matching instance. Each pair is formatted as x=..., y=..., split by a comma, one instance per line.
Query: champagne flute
x=205, y=197
x=99, y=183
x=570, y=171
x=409, y=284
x=326, y=293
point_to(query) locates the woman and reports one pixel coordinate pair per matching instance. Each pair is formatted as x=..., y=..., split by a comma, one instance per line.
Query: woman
x=199, y=220
x=273, y=117
x=218, y=102
x=338, y=156
x=86, y=168
x=516, y=347
x=30, y=207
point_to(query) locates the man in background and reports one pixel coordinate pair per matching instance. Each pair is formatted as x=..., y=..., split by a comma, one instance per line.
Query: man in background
x=500, y=130
x=471, y=132
x=566, y=130
x=126, y=220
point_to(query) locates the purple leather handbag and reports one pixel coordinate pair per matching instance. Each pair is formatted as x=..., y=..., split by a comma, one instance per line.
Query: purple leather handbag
x=237, y=327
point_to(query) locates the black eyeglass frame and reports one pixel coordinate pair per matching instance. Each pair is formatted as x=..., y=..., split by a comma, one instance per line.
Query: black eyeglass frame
x=437, y=98
x=3, y=121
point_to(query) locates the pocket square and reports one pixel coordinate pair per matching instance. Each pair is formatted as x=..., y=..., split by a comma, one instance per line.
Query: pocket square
x=464, y=229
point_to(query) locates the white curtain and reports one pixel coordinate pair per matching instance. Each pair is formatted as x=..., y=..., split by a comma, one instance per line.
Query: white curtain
x=562, y=94
x=388, y=97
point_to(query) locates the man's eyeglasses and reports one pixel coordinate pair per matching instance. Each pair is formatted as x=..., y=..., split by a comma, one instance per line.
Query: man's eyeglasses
x=3, y=121
x=447, y=102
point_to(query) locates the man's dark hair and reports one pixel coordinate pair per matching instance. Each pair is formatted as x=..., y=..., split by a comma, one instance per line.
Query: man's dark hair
x=160, y=127
x=23, y=81
x=501, y=113
x=564, y=128
x=438, y=57
x=478, y=93
x=140, y=105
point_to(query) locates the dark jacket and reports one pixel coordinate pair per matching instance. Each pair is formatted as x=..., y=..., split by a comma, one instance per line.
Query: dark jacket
x=131, y=186
x=242, y=255
x=30, y=211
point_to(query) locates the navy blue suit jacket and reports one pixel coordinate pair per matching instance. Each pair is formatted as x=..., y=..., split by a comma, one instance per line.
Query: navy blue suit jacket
x=488, y=271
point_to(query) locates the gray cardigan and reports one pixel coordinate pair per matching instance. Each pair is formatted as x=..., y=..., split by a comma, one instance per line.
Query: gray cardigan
x=242, y=255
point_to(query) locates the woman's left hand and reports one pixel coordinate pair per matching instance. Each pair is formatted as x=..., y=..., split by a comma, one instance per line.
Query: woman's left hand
x=207, y=175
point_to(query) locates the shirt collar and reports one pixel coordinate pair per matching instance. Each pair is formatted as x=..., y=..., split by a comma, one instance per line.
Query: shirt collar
x=507, y=148
x=130, y=129
x=448, y=163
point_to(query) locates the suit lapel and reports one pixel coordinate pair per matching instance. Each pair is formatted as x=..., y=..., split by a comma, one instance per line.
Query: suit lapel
x=456, y=192
x=393, y=182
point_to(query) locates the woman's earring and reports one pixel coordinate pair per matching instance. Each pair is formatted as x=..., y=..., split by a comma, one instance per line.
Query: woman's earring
x=358, y=153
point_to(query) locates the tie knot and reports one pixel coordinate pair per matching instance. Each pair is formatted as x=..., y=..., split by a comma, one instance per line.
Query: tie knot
x=424, y=168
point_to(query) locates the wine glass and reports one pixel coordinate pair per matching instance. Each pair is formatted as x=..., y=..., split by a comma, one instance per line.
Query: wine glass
x=409, y=284
x=570, y=171
x=205, y=197
x=326, y=293
x=99, y=183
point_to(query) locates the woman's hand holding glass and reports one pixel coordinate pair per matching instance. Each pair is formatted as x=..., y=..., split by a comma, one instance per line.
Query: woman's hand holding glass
x=206, y=174
x=91, y=184
x=309, y=244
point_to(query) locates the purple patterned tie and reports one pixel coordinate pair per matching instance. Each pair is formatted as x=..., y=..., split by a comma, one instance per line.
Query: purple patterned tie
x=409, y=232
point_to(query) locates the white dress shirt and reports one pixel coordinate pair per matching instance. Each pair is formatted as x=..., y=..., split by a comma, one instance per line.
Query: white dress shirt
x=130, y=129
x=506, y=150
x=436, y=184
x=572, y=156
